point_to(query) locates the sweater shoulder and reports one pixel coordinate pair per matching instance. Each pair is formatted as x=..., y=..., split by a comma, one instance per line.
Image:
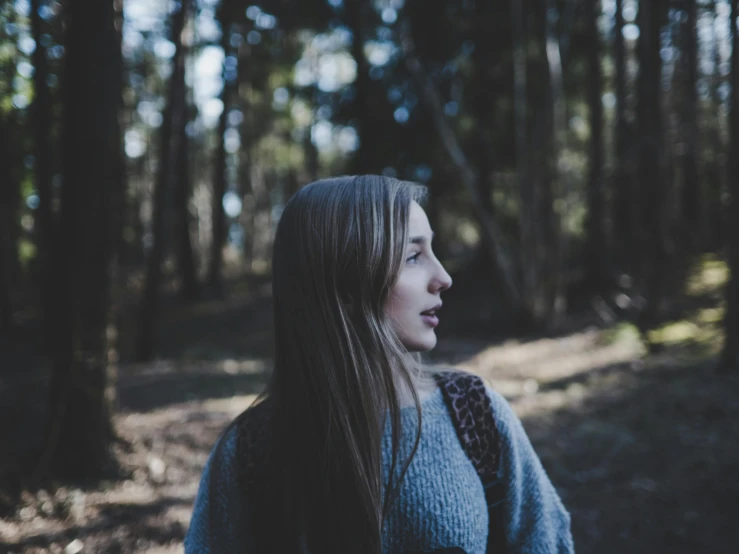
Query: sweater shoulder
x=500, y=406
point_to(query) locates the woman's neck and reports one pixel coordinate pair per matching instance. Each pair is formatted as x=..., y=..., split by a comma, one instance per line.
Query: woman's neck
x=424, y=385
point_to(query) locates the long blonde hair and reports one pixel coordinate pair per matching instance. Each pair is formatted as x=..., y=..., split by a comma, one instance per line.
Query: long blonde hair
x=338, y=251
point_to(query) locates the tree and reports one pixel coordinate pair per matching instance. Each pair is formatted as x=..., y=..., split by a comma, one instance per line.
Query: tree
x=41, y=111
x=218, y=216
x=182, y=194
x=653, y=254
x=483, y=57
x=596, y=239
x=169, y=139
x=623, y=200
x=9, y=218
x=520, y=95
x=730, y=354
x=713, y=168
x=691, y=198
x=553, y=237
x=79, y=419
x=183, y=239
x=119, y=201
x=491, y=86
x=373, y=114
x=538, y=93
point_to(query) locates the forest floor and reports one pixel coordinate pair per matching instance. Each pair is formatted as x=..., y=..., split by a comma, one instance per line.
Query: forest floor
x=643, y=449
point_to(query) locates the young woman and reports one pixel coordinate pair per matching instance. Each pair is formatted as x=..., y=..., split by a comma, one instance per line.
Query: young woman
x=351, y=448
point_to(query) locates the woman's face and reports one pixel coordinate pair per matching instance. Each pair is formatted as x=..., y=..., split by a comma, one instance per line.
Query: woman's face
x=416, y=296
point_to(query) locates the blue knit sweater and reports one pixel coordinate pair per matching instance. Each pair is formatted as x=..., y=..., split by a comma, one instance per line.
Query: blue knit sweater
x=441, y=502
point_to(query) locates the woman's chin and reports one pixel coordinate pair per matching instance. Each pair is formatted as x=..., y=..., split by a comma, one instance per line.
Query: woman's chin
x=421, y=344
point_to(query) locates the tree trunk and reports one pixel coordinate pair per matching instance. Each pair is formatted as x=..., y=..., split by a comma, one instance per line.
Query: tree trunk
x=9, y=220
x=373, y=114
x=218, y=216
x=119, y=202
x=623, y=200
x=554, y=238
x=167, y=151
x=691, y=198
x=491, y=42
x=714, y=171
x=41, y=111
x=182, y=193
x=596, y=237
x=354, y=21
x=483, y=101
x=79, y=421
x=651, y=152
x=520, y=108
x=539, y=233
x=730, y=354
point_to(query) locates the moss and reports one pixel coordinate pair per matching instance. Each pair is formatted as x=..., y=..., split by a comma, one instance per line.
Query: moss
x=623, y=332
x=709, y=275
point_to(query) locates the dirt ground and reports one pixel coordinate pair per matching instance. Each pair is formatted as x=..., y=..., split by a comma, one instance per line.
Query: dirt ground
x=644, y=450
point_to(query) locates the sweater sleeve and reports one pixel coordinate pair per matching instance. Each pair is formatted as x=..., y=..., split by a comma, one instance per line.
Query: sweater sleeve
x=536, y=521
x=217, y=519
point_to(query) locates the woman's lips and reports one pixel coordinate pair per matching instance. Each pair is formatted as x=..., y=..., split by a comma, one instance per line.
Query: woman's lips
x=430, y=320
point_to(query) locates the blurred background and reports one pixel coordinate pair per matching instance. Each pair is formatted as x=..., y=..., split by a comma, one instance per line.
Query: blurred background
x=582, y=162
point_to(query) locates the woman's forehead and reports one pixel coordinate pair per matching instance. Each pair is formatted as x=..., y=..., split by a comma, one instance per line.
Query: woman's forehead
x=418, y=223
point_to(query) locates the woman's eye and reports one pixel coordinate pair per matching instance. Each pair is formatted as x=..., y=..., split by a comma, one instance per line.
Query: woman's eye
x=414, y=257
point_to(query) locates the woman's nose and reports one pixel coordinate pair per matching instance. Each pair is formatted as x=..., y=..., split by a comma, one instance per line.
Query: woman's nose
x=443, y=279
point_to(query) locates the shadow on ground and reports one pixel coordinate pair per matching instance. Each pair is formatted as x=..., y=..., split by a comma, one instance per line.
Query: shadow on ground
x=159, y=391
x=646, y=459
x=143, y=523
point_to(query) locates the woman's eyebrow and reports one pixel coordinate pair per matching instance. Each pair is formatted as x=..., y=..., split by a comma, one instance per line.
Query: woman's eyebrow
x=420, y=239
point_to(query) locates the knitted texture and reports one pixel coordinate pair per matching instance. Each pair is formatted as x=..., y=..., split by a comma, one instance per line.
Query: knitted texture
x=441, y=501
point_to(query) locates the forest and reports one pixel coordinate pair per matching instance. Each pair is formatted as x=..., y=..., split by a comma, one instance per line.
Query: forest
x=582, y=162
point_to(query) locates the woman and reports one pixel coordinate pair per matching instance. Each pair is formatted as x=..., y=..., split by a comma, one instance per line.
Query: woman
x=351, y=448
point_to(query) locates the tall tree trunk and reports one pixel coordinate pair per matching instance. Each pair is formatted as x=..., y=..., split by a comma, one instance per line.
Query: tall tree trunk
x=79, y=420
x=520, y=108
x=218, y=216
x=167, y=151
x=539, y=230
x=623, y=200
x=691, y=199
x=119, y=202
x=182, y=193
x=374, y=115
x=491, y=41
x=730, y=354
x=555, y=238
x=9, y=219
x=484, y=98
x=714, y=171
x=596, y=237
x=41, y=111
x=354, y=21
x=249, y=134
x=651, y=178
